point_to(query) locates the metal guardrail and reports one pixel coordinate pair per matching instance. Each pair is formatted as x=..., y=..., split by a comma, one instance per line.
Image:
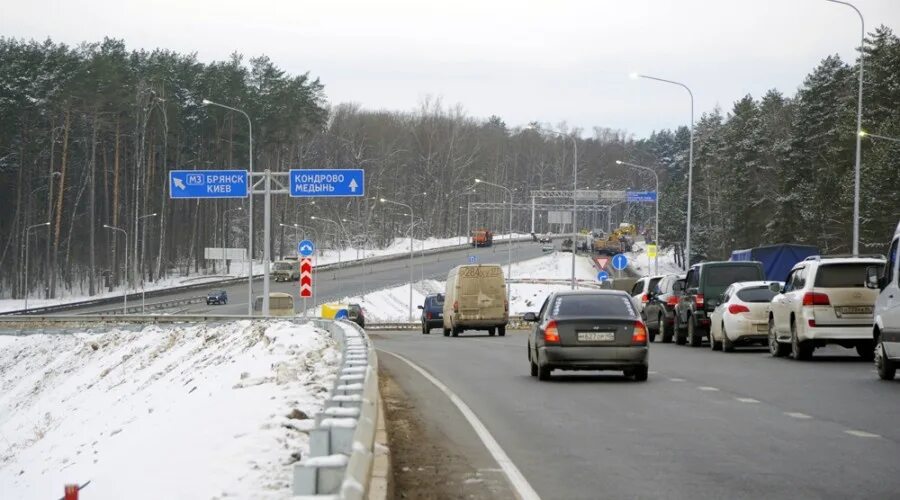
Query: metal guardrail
x=515, y=323
x=155, y=306
x=342, y=446
x=230, y=281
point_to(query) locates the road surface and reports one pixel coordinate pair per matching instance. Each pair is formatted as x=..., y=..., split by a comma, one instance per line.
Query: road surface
x=706, y=425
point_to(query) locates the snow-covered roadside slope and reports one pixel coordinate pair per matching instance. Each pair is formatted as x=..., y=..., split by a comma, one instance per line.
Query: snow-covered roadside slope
x=205, y=411
x=642, y=264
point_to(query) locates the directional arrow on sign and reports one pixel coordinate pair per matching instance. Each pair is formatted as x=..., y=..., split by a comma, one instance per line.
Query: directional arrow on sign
x=179, y=183
x=306, y=274
x=306, y=290
x=353, y=185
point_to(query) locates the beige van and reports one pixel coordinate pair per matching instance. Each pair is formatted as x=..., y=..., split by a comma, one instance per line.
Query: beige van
x=280, y=304
x=475, y=299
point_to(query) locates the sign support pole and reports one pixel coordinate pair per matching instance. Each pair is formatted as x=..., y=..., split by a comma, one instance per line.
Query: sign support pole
x=267, y=235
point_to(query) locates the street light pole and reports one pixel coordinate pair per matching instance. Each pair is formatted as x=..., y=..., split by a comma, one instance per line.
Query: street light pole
x=411, y=224
x=142, y=257
x=124, y=290
x=29, y=228
x=687, y=238
x=207, y=102
x=859, y=132
x=508, y=243
x=656, y=230
x=574, y=198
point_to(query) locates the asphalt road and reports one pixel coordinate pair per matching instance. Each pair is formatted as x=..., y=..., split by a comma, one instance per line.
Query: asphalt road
x=352, y=280
x=706, y=424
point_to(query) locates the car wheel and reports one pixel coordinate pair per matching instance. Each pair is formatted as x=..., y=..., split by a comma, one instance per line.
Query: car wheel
x=492, y=331
x=799, y=350
x=446, y=332
x=425, y=329
x=501, y=330
x=663, y=331
x=866, y=350
x=532, y=364
x=456, y=331
x=652, y=332
x=679, y=332
x=727, y=344
x=543, y=372
x=693, y=338
x=714, y=345
x=641, y=373
x=886, y=368
x=225, y=302
x=776, y=348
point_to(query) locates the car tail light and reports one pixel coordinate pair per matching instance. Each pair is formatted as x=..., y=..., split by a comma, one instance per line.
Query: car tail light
x=738, y=308
x=428, y=315
x=455, y=306
x=815, y=299
x=698, y=300
x=672, y=301
x=639, y=334
x=645, y=298
x=551, y=333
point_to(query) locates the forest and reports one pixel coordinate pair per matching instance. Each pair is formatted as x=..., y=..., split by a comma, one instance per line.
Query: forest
x=88, y=134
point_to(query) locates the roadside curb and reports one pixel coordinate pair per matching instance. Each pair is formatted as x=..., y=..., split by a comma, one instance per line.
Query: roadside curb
x=381, y=485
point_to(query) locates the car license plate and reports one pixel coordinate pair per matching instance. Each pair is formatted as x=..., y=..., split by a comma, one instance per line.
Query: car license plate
x=596, y=336
x=867, y=310
x=763, y=328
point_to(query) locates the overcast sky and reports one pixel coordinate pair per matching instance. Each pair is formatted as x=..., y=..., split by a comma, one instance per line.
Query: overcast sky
x=522, y=60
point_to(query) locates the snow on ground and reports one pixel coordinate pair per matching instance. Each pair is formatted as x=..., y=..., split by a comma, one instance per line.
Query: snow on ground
x=392, y=304
x=643, y=265
x=238, y=269
x=197, y=411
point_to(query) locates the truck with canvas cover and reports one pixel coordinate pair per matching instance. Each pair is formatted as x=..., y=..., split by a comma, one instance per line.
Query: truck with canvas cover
x=777, y=260
x=482, y=238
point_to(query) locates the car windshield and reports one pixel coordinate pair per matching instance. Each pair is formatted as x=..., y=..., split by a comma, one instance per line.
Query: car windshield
x=593, y=305
x=756, y=294
x=848, y=275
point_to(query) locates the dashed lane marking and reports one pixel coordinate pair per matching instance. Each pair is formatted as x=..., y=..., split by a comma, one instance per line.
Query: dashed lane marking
x=676, y=380
x=794, y=414
x=862, y=434
x=747, y=400
x=707, y=388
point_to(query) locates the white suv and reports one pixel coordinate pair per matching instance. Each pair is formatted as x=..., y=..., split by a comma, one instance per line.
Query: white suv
x=824, y=301
x=886, y=331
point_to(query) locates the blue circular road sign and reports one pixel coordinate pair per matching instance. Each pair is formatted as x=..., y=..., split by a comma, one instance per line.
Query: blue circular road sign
x=619, y=261
x=473, y=259
x=602, y=276
x=306, y=248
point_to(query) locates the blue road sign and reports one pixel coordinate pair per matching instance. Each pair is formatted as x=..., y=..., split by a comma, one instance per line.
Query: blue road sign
x=306, y=248
x=473, y=259
x=207, y=184
x=640, y=196
x=602, y=276
x=333, y=182
x=619, y=261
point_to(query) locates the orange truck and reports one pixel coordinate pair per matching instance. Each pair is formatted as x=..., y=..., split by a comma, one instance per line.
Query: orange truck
x=482, y=238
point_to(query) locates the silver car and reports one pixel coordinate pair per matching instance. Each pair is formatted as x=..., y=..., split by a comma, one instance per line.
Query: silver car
x=588, y=330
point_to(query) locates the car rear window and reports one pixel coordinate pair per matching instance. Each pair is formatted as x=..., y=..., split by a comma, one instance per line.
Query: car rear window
x=722, y=276
x=850, y=275
x=281, y=303
x=592, y=305
x=438, y=300
x=756, y=294
x=653, y=283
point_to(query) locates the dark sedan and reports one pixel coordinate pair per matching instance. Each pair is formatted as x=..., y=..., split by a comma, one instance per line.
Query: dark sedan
x=588, y=330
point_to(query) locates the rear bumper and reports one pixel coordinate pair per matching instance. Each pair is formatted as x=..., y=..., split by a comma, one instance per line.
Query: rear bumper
x=838, y=332
x=434, y=323
x=593, y=357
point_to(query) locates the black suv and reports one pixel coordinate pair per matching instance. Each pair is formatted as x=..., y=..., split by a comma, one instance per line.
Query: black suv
x=704, y=283
x=217, y=297
x=356, y=314
x=432, y=312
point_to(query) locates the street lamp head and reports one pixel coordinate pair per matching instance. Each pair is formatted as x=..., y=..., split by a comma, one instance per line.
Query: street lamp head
x=46, y=223
x=107, y=226
x=477, y=181
x=634, y=76
x=382, y=200
x=313, y=217
x=206, y=102
x=152, y=215
x=863, y=133
x=618, y=162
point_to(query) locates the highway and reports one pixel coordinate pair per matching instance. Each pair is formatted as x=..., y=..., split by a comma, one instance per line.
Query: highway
x=352, y=279
x=705, y=425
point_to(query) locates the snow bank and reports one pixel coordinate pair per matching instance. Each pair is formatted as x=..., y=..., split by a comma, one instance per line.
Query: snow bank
x=392, y=304
x=644, y=265
x=204, y=411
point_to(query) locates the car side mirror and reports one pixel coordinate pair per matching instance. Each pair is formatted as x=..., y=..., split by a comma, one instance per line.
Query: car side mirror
x=421, y=307
x=774, y=287
x=873, y=280
x=530, y=317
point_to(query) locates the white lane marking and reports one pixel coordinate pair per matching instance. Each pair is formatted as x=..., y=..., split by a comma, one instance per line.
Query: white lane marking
x=676, y=380
x=516, y=479
x=747, y=400
x=794, y=414
x=707, y=388
x=652, y=373
x=862, y=434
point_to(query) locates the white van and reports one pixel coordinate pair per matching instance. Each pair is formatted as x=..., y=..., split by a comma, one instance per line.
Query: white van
x=280, y=304
x=475, y=299
x=886, y=330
